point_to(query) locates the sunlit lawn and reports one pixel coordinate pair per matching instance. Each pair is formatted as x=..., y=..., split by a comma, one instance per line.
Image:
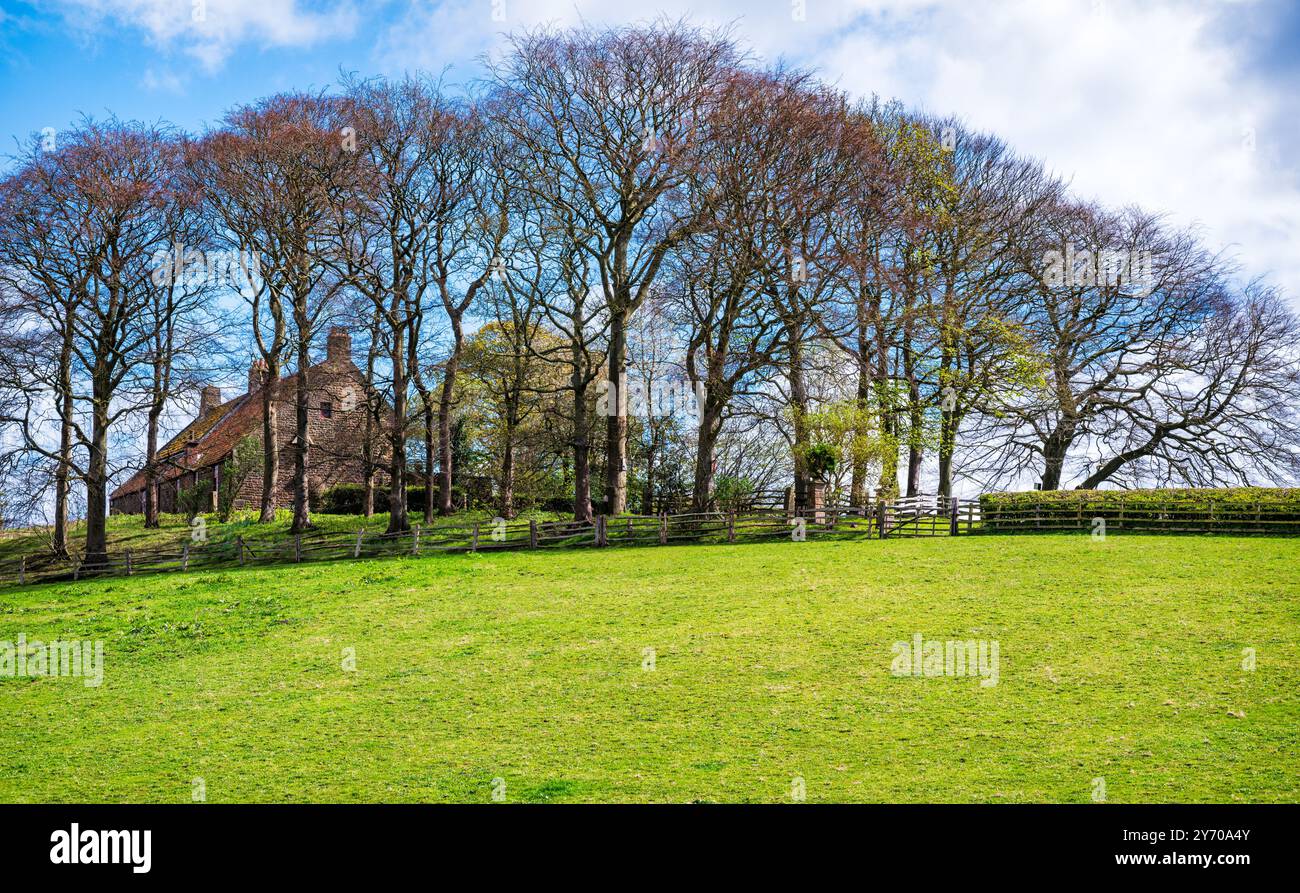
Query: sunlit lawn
x=678, y=673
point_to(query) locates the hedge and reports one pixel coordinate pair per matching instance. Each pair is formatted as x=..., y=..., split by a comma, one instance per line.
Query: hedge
x=348, y=499
x=1204, y=510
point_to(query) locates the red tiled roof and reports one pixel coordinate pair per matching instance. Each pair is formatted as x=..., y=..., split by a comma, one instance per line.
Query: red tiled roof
x=214, y=436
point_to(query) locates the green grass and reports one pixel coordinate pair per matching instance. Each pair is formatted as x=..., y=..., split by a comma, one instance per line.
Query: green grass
x=1119, y=659
x=128, y=530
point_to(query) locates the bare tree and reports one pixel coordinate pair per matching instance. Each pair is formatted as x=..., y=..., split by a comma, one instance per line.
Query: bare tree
x=723, y=275
x=270, y=169
x=123, y=181
x=813, y=178
x=47, y=271
x=391, y=224
x=613, y=121
x=1111, y=293
x=1216, y=407
x=469, y=222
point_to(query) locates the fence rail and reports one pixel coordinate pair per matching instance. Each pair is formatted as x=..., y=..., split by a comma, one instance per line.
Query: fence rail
x=1121, y=514
x=916, y=516
x=905, y=518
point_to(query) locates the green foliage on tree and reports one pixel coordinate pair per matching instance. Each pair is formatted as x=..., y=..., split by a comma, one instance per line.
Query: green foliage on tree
x=732, y=491
x=844, y=434
x=821, y=459
x=194, y=501
x=244, y=459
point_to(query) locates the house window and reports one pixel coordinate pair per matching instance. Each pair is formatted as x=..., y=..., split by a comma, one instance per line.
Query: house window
x=327, y=410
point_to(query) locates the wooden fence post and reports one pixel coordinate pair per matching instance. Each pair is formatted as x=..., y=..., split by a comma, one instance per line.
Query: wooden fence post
x=356, y=550
x=532, y=533
x=953, y=530
x=239, y=549
x=731, y=527
x=128, y=562
x=600, y=531
x=22, y=570
x=76, y=569
x=297, y=548
x=185, y=557
x=473, y=543
x=415, y=540
x=882, y=522
x=663, y=528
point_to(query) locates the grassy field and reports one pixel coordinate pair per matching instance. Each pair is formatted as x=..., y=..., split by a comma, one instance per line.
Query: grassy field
x=1120, y=660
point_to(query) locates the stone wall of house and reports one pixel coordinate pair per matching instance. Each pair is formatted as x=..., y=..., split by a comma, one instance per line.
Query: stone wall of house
x=168, y=493
x=336, y=425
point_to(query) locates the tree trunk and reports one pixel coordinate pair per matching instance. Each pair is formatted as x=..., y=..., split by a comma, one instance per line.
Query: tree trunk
x=430, y=479
x=444, y=421
x=710, y=426
x=888, y=487
x=581, y=451
x=858, y=482
x=368, y=464
x=97, y=483
x=648, y=493
x=151, y=469
x=616, y=418
x=799, y=407
x=915, y=419
x=301, y=456
x=398, y=522
x=1055, y=449
x=372, y=425
x=60, y=543
x=947, y=438
x=506, y=503
x=270, y=446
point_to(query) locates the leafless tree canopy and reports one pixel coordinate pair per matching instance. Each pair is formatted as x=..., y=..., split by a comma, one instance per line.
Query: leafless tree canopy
x=630, y=254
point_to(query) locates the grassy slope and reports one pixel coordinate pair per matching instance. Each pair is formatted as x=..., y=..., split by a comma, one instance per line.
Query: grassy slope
x=1119, y=659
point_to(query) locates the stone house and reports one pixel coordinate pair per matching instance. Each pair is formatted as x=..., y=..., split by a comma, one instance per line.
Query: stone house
x=336, y=434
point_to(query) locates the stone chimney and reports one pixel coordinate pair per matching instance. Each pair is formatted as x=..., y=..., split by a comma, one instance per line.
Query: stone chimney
x=256, y=375
x=338, y=347
x=209, y=399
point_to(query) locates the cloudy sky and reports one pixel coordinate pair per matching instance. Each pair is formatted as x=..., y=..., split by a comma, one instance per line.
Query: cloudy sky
x=1187, y=107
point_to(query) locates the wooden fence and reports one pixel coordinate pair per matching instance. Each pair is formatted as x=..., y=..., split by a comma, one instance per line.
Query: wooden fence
x=1139, y=515
x=902, y=519
x=906, y=517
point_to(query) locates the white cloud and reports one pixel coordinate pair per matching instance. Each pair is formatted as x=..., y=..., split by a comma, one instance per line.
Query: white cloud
x=210, y=30
x=1133, y=101
x=162, y=81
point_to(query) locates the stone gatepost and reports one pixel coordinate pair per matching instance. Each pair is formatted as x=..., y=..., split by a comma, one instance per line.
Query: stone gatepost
x=818, y=499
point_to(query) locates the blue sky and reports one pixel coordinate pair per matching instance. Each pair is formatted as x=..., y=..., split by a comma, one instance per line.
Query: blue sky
x=1190, y=108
